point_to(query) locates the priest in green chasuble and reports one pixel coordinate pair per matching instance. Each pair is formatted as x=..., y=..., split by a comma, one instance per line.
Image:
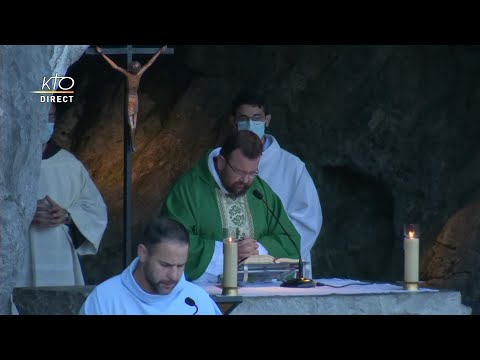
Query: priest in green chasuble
x=217, y=194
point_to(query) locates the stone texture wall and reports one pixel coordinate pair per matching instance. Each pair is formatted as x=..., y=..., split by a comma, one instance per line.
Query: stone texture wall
x=21, y=116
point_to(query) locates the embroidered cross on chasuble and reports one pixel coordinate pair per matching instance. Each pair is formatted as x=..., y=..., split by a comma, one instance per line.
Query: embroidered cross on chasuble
x=235, y=215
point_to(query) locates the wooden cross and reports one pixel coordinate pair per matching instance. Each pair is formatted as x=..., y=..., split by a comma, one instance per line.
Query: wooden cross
x=127, y=143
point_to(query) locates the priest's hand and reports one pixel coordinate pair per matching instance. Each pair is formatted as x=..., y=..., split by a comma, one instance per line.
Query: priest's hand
x=58, y=215
x=247, y=247
x=49, y=213
x=42, y=214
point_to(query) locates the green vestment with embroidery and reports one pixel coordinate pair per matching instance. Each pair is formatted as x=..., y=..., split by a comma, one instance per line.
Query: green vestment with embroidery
x=198, y=203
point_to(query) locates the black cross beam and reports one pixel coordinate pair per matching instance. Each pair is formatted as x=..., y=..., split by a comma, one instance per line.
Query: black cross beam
x=129, y=50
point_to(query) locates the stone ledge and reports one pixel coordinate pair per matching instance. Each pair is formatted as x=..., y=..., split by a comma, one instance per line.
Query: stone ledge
x=68, y=300
x=55, y=300
x=418, y=303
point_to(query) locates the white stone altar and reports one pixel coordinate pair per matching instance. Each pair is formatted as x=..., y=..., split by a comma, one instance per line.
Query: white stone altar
x=345, y=297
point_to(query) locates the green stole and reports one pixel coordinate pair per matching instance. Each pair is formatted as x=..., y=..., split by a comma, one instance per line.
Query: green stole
x=235, y=215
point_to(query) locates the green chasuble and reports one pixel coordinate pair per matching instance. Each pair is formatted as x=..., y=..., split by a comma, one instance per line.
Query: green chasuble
x=198, y=203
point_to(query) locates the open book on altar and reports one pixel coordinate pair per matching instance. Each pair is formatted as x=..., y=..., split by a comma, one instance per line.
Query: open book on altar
x=266, y=268
x=267, y=259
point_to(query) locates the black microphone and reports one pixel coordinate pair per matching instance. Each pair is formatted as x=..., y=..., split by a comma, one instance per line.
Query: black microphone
x=190, y=302
x=299, y=281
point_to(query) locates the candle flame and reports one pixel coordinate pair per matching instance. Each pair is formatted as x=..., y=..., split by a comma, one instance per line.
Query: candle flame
x=411, y=234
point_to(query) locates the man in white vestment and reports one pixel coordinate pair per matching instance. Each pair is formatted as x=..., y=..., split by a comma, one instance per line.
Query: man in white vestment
x=284, y=172
x=154, y=283
x=69, y=221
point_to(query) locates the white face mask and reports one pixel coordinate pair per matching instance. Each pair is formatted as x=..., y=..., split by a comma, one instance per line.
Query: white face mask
x=258, y=127
x=47, y=132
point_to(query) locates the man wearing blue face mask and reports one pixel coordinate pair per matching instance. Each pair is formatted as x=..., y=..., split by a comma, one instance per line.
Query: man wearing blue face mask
x=284, y=172
x=69, y=220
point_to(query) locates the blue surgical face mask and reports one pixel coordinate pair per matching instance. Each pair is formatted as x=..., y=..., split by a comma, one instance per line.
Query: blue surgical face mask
x=258, y=127
x=47, y=132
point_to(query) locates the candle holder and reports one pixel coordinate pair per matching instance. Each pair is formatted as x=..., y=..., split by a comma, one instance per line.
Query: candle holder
x=411, y=236
x=230, y=263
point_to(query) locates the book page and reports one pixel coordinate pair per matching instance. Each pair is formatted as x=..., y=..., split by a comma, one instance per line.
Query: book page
x=258, y=259
x=286, y=260
x=267, y=259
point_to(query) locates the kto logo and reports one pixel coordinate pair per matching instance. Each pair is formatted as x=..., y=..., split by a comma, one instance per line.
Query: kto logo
x=64, y=83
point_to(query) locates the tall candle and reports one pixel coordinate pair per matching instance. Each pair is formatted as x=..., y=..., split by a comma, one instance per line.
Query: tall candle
x=411, y=248
x=230, y=263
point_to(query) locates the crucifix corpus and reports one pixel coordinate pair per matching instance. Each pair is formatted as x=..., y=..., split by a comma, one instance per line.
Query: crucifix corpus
x=132, y=77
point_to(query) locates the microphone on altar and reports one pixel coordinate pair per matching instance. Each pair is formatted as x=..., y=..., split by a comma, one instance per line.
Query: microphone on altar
x=299, y=281
x=190, y=302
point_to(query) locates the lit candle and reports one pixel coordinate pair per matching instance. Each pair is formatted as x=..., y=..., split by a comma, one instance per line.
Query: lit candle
x=411, y=248
x=230, y=265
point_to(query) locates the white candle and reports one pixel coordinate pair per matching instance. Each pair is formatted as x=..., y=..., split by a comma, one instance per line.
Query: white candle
x=411, y=248
x=230, y=263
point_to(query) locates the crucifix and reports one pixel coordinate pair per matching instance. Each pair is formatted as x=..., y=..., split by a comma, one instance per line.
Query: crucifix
x=132, y=77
